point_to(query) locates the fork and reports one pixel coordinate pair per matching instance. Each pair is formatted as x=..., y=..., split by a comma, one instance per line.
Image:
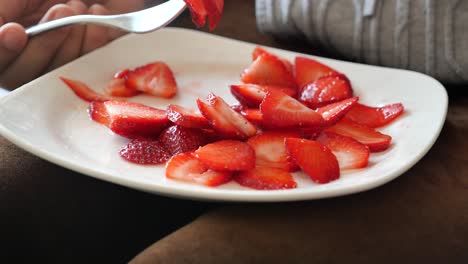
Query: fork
x=142, y=21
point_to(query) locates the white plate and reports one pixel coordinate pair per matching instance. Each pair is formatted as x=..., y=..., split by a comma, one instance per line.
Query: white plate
x=47, y=119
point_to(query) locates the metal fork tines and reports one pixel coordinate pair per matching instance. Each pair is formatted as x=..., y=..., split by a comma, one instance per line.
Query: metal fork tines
x=137, y=22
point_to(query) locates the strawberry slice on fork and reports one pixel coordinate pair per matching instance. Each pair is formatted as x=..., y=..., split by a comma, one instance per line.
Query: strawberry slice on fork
x=201, y=9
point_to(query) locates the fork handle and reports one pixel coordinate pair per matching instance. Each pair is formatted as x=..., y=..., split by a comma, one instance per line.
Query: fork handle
x=67, y=21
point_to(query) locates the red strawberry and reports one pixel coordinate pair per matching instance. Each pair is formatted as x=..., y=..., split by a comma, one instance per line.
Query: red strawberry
x=186, y=117
x=128, y=119
x=309, y=70
x=258, y=51
x=227, y=155
x=185, y=167
x=145, y=151
x=117, y=87
x=253, y=115
x=225, y=120
x=214, y=9
x=266, y=178
x=197, y=11
x=350, y=153
x=375, y=116
x=156, y=79
x=251, y=95
x=270, y=149
x=121, y=74
x=268, y=70
x=282, y=111
x=237, y=107
x=326, y=90
x=332, y=113
x=315, y=159
x=98, y=112
x=373, y=139
x=83, y=91
x=178, y=139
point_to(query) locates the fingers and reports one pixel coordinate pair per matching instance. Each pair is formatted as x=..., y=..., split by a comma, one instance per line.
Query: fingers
x=12, y=41
x=71, y=47
x=95, y=36
x=11, y=10
x=39, y=52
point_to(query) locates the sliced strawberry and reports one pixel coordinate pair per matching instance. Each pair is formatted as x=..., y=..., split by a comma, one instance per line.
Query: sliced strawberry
x=186, y=117
x=251, y=95
x=145, y=151
x=225, y=120
x=121, y=74
x=258, y=51
x=245, y=128
x=238, y=107
x=282, y=111
x=332, y=113
x=270, y=150
x=83, y=91
x=326, y=90
x=230, y=155
x=178, y=139
x=128, y=119
x=117, y=87
x=350, y=153
x=185, y=167
x=268, y=70
x=197, y=11
x=375, y=116
x=98, y=112
x=315, y=159
x=215, y=10
x=253, y=115
x=309, y=70
x=156, y=79
x=373, y=139
x=218, y=122
x=266, y=178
